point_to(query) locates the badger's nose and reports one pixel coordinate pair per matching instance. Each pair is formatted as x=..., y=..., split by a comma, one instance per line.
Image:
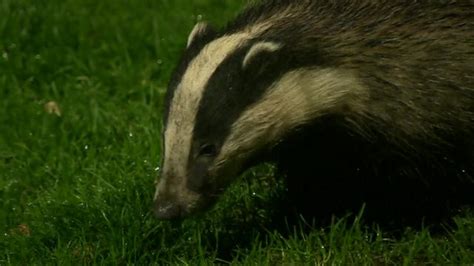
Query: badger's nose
x=166, y=210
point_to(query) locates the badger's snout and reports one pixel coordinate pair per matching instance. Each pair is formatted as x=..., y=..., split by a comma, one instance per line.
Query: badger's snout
x=169, y=198
x=167, y=209
x=173, y=198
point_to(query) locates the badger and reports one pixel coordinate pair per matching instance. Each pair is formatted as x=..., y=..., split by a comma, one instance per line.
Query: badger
x=350, y=99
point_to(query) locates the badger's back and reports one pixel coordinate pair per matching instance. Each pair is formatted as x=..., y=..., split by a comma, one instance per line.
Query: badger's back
x=408, y=149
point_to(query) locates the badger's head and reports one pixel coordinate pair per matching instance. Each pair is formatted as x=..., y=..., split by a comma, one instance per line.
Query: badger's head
x=232, y=97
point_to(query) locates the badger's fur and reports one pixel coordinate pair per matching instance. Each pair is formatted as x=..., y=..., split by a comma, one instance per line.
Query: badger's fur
x=337, y=93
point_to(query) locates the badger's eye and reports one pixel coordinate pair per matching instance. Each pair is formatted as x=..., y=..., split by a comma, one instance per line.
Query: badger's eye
x=208, y=150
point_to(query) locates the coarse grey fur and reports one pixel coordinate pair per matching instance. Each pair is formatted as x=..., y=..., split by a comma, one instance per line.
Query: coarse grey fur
x=383, y=88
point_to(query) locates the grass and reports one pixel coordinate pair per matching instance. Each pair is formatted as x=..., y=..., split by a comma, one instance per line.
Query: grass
x=77, y=187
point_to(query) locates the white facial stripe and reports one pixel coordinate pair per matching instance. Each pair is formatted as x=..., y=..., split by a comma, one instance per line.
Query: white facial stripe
x=297, y=98
x=185, y=103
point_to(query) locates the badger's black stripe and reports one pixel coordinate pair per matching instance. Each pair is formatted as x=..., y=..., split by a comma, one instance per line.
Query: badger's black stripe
x=224, y=98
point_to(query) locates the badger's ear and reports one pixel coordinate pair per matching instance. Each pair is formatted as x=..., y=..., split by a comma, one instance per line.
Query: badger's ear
x=200, y=30
x=258, y=50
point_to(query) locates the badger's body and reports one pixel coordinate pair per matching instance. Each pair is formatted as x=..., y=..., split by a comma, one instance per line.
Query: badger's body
x=335, y=92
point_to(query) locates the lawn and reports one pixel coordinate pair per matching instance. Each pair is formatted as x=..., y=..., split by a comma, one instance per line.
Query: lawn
x=81, y=89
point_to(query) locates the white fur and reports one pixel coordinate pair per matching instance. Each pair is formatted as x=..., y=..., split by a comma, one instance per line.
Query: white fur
x=258, y=48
